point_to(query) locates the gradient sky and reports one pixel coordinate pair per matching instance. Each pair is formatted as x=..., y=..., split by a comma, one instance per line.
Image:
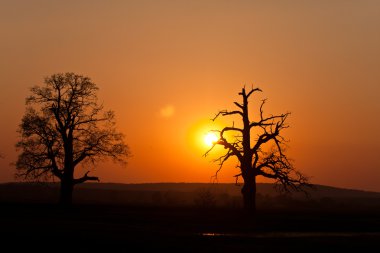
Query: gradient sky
x=166, y=68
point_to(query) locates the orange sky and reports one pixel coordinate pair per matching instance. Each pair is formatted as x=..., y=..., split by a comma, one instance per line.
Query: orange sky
x=166, y=67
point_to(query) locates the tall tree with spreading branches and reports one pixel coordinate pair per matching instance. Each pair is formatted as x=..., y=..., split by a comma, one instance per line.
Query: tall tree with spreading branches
x=65, y=128
x=259, y=147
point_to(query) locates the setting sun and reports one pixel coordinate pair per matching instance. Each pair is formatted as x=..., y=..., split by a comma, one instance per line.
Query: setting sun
x=210, y=138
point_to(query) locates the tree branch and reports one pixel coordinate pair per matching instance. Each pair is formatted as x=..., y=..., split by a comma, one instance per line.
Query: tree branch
x=238, y=105
x=253, y=90
x=225, y=113
x=226, y=129
x=85, y=178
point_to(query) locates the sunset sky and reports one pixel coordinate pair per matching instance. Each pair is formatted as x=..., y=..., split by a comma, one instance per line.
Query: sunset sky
x=167, y=67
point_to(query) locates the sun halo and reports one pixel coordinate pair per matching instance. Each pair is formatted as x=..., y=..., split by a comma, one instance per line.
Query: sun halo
x=210, y=138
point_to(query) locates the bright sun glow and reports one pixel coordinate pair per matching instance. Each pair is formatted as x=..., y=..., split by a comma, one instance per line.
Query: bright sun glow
x=210, y=138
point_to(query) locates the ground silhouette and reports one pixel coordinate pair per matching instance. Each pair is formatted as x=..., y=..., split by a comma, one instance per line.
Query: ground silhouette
x=125, y=217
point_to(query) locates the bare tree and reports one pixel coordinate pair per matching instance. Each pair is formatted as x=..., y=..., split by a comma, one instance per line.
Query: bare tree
x=64, y=128
x=259, y=148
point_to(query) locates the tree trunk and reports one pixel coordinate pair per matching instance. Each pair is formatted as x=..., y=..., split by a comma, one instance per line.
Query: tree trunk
x=66, y=193
x=249, y=194
x=67, y=181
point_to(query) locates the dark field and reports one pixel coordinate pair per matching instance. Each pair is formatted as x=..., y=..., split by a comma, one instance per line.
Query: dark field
x=314, y=226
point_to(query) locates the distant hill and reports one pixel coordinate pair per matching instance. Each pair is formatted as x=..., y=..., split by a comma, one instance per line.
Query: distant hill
x=185, y=194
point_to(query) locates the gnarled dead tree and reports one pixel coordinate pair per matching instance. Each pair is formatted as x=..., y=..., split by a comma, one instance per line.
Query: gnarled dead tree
x=64, y=127
x=259, y=148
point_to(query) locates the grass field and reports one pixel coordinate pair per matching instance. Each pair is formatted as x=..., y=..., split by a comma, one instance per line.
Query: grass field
x=81, y=228
x=334, y=220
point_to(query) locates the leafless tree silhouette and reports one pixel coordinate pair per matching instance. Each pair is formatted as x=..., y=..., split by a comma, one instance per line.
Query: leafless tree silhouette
x=259, y=148
x=64, y=127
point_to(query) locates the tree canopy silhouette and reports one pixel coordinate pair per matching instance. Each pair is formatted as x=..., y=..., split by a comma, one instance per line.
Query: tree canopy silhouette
x=259, y=147
x=64, y=127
